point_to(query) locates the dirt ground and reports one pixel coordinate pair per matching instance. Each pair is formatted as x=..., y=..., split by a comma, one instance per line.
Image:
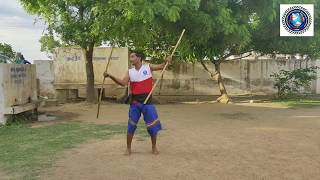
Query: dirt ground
x=4, y=176
x=203, y=141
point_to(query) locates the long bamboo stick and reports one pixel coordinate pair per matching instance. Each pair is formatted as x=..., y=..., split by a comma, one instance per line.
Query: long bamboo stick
x=165, y=67
x=100, y=95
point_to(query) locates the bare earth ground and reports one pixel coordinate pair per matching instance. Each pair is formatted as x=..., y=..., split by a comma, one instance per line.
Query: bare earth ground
x=4, y=176
x=203, y=141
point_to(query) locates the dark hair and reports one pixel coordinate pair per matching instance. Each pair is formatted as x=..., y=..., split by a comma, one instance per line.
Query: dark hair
x=139, y=54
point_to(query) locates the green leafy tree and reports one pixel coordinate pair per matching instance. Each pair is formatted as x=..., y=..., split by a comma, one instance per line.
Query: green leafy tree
x=219, y=30
x=6, y=49
x=76, y=23
x=216, y=30
x=266, y=39
x=49, y=43
x=151, y=26
x=266, y=35
x=88, y=23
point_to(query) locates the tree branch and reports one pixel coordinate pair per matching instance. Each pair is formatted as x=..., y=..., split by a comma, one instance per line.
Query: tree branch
x=206, y=68
x=230, y=54
x=240, y=57
x=226, y=56
x=222, y=58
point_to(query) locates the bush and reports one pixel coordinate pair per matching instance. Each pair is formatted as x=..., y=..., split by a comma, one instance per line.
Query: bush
x=291, y=82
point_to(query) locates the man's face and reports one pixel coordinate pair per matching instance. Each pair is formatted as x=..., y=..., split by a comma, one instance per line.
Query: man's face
x=134, y=59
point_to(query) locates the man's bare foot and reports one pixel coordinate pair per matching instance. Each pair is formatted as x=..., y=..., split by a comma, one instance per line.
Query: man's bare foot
x=155, y=151
x=128, y=152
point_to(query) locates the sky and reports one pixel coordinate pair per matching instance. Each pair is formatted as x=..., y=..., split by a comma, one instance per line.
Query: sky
x=21, y=30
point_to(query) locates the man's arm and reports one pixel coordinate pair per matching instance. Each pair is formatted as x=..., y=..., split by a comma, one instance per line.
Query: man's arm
x=157, y=67
x=122, y=82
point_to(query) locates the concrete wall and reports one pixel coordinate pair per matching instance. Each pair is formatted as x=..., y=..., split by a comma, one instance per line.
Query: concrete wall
x=70, y=73
x=317, y=83
x=45, y=75
x=240, y=77
x=18, y=89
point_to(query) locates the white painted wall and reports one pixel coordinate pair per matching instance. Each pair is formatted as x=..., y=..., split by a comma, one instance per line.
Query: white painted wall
x=18, y=87
x=69, y=64
x=318, y=80
x=70, y=69
x=241, y=77
x=3, y=118
x=45, y=74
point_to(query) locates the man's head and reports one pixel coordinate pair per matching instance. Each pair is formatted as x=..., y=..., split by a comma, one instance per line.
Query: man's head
x=136, y=57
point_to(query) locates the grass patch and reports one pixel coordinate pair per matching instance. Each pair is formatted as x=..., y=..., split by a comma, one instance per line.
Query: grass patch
x=303, y=103
x=299, y=101
x=27, y=152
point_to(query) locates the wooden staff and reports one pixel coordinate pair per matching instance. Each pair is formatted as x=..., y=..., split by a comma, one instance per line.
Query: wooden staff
x=104, y=78
x=163, y=70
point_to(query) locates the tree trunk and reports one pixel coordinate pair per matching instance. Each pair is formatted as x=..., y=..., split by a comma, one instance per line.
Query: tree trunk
x=224, y=98
x=91, y=94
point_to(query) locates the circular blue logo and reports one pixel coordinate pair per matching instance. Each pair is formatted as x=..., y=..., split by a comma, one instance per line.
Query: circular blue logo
x=145, y=72
x=296, y=20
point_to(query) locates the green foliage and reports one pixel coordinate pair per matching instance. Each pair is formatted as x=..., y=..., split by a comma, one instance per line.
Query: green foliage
x=6, y=49
x=213, y=29
x=82, y=23
x=75, y=22
x=216, y=29
x=151, y=25
x=266, y=36
x=26, y=151
x=88, y=23
x=289, y=82
x=48, y=43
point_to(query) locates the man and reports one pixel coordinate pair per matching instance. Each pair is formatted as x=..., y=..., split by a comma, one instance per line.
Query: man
x=140, y=78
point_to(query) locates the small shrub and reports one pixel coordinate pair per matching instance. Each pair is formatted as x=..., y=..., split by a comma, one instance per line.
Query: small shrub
x=291, y=82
